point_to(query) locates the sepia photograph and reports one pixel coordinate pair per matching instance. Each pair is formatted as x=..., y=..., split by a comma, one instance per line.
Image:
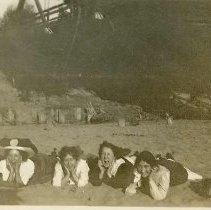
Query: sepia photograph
x=105, y=103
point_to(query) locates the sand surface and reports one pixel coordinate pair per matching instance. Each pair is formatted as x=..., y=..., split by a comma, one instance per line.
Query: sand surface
x=189, y=140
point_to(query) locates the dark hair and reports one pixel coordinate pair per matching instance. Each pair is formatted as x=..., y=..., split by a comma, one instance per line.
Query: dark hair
x=23, y=154
x=74, y=151
x=146, y=156
x=118, y=151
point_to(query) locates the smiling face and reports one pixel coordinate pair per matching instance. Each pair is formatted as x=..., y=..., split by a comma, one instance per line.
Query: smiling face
x=144, y=169
x=107, y=157
x=14, y=156
x=69, y=161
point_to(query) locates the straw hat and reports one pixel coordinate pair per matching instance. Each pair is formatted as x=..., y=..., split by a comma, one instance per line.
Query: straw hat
x=19, y=144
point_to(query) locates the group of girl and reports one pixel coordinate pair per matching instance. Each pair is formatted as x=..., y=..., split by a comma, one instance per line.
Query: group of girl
x=22, y=164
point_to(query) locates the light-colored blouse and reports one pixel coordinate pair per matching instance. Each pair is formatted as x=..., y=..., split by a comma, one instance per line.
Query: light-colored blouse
x=158, y=184
x=26, y=170
x=81, y=171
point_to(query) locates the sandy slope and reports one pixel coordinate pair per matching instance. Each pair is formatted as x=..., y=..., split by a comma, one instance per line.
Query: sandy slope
x=190, y=140
x=9, y=99
x=38, y=104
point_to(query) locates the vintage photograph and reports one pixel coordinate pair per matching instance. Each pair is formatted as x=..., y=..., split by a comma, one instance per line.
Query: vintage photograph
x=105, y=103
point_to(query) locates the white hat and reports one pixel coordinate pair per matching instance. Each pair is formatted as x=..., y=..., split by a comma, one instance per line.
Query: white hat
x=19, y=144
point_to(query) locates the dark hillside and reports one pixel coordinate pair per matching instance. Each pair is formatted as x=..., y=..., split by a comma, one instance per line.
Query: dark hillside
x=139, y=52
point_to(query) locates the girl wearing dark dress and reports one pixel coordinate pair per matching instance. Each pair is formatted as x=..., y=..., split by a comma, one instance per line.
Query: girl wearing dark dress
x=154, y=176
x=111, y=167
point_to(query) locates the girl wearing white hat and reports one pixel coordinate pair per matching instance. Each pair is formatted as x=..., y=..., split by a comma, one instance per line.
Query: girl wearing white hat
x=16, y=167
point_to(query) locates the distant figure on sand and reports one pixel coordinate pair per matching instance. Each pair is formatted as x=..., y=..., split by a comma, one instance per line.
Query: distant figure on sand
x=71, y=169
x=111, y=168
x=169, y=119
x=154, y=177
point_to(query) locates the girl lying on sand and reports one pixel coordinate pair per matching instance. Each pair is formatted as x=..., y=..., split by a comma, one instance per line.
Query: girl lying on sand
x=16, y=167
x=153, y=177
x=111, y=168
x=71, y=169
x=22, y=165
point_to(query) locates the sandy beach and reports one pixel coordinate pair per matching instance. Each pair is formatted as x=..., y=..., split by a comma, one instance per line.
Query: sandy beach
x=133, y=73
x=188, y=140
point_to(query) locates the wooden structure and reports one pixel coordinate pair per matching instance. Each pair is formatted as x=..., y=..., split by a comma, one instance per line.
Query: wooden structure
x=56, y=11
x=21, y=4
x=53, y=13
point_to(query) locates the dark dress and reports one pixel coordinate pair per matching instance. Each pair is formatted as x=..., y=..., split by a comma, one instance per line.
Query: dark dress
x=120, y=180
x=178, y=174
x=44, y=168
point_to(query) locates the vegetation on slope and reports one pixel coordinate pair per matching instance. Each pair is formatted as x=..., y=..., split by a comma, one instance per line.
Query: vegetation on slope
x=139, y=52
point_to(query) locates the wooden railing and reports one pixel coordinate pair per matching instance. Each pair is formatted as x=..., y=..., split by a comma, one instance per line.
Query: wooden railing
x=47, y=13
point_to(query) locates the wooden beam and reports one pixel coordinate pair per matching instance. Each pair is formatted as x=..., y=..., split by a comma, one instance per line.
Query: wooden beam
x=52, y=12
x=55, y=19
x=55, y=7
x=20, y=5
x=39, y=8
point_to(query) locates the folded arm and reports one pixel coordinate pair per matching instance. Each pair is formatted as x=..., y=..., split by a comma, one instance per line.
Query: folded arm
x=159, y=191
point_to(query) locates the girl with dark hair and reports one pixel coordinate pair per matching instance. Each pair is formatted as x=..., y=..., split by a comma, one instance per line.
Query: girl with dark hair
x=70, y=169
x=111, y=167
x=154, y=176
x=151, y=178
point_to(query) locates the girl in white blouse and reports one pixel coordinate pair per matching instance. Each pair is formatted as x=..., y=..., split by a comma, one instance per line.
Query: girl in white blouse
x=16, y=168
x=71, y=169
x=151, y=178
x=154, y=176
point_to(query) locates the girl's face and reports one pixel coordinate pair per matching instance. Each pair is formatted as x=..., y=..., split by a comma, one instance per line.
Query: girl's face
x=14, y=156
x=144, y=169
x=69, y=161
x=107, y=157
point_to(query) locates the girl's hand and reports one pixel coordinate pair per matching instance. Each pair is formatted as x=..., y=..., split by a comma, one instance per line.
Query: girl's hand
x=9, y=166
x=66, y=178
x=110, y=169
x=67, y=171
x=100, y=165
x=102, y=169
x=67, y=168
x=72, y=173
x=17, y=166
x=131, y=189
x=11, y=170
x=71, y=168
x=74, y=177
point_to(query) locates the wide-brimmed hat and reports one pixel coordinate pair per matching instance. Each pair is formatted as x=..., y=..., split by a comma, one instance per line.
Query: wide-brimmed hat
x=21, y=144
